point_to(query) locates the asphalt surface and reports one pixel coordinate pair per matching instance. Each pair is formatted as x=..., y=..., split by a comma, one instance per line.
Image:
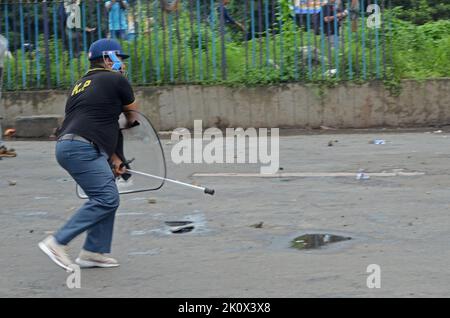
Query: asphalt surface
x=240, y=245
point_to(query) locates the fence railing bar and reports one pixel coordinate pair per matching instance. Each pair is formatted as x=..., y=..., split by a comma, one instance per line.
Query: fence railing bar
x=185, y=44
x=36, y=41
x=377, y=49
x=171, y=55
x=383, y=39
x=252, y=18
x=84, y=26
x=363, y=40
x=22, y=45
x=267, y=28
x=206, y=27
x=222, y=44
x=274, y=24
x=199, y=40
x=260, y=38
x=55, y=39
x=8, y=63
x=350, y=45
x=294, y=32
x=155, y=17
x=191, y=42
x=179, y=45
x=308, y=30
x=343, y=73
x=213, y=38
x=322, y=42
x=280, y=25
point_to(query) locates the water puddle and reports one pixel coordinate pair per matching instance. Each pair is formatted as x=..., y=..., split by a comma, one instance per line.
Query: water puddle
x=312, y=241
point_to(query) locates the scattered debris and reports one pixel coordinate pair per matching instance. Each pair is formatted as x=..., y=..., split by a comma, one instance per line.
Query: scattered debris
x=330, y=73
x=41, y=198
x=332, y=142
x=361, y=175
x=378, y=142
x=37, y=213
x=327, y=128
x=12, y=182
x=257, y=225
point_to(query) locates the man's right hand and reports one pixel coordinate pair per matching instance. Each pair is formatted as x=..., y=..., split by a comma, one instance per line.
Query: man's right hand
x=117, y=166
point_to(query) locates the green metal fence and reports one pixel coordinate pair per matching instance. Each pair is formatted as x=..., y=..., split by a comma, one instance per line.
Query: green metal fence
x=199, y=41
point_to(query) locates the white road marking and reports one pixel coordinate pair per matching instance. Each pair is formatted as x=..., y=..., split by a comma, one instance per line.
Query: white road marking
x=309, y=174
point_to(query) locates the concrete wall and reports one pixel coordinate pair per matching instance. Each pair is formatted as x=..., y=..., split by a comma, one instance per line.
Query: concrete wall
x=290, y=105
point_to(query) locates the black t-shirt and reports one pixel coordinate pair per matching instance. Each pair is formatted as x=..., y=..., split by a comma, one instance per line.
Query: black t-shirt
x=94, y=106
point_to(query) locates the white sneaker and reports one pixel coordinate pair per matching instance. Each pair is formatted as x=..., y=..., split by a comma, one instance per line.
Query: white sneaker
x=88, y=259
x=56, y=252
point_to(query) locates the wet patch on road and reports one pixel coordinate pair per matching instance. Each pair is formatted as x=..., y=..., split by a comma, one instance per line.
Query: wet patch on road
x=314, y=241
x=192, y=224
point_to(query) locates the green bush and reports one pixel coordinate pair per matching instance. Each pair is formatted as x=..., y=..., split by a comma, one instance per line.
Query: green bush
x=173, y=56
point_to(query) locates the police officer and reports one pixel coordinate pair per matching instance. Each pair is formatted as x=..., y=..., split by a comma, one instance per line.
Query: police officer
x=87, y=148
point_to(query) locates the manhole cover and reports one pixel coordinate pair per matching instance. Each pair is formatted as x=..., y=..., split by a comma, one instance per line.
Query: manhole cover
x=179, y=227
x=310, y=241
x=177, y=223
x=182, y=229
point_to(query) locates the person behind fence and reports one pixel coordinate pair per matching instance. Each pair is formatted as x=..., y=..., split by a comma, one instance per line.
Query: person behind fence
x=71, y=14
x=330, y=12
x=4, y=152
x=228, y=20
x=117, y=18
x=88, y=149
x=260, y=27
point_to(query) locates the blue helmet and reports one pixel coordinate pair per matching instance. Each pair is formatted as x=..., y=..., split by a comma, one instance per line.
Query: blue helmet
x=103, y=47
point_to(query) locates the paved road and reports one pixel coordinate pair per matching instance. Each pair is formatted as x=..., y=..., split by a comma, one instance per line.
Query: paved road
x=401, y=223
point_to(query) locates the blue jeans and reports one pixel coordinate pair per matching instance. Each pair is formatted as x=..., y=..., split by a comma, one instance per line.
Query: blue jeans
x=90, y=169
